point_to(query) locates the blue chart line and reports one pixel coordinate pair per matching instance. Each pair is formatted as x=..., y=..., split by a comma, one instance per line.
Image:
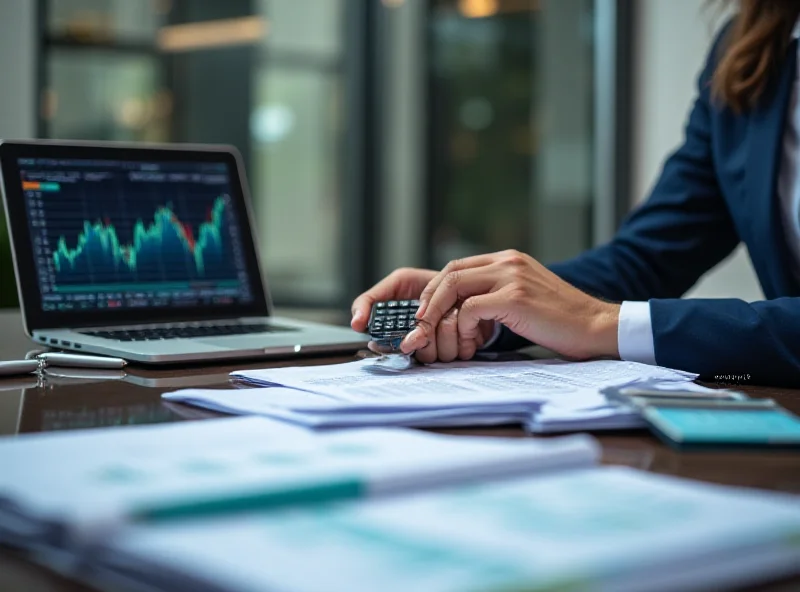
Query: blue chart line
x=165, y=249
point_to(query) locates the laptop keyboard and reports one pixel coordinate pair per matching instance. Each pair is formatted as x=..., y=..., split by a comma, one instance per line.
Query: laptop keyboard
x=187, y=331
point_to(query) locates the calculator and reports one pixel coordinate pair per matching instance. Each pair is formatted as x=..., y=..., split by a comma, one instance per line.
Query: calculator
x=391, y=320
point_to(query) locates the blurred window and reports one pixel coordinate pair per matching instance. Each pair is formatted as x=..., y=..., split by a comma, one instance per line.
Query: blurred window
x=296, y=128
x=376, y=133
x=266, y=76
x=118, y=21
x=106, y=95
x=510, y=127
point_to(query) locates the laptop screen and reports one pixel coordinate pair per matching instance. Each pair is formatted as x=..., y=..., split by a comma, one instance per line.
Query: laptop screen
x=124, y=234
x=110, y=235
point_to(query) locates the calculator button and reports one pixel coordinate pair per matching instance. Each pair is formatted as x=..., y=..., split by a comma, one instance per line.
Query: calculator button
x=389, y=324
x=411, y=324
x=414, y=303
x=380, y=305
x=377, y=326
x=405, y=303
x=392, y=304
x=381, y=311
x=402, y=323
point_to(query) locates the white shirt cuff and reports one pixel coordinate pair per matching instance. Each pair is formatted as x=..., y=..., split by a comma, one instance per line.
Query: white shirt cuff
x=635, y=333
x=498, y=327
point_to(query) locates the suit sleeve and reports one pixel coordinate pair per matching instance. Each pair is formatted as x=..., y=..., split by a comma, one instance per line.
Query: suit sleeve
x=664, y=246
x=730, y=340
x=681, y=231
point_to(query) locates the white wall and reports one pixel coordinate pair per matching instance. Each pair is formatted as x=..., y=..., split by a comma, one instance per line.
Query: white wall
x=671, y=41
x=17, y=68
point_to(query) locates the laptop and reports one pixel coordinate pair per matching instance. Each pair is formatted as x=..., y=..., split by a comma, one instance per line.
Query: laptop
x=144, y=252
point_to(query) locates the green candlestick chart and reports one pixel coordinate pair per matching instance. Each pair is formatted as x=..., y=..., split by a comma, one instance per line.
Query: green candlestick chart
x=162, y=241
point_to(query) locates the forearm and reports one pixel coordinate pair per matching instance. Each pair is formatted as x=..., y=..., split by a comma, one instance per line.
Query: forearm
x=595, y=335
x=600, y=283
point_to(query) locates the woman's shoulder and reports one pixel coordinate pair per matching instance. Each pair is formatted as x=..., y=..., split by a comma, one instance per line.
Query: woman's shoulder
x=720, y=41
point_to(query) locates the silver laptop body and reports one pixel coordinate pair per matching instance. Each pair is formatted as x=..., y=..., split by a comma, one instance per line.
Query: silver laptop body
x=145, y=252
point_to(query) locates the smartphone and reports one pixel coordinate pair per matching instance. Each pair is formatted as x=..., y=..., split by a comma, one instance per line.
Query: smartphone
x=722, y=424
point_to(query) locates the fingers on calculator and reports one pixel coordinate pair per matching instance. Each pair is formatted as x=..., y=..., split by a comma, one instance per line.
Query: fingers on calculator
x=391, y=320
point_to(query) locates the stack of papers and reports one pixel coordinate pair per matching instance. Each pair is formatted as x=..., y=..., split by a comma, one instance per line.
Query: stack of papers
x=553, y=419
x=592, y=411
x=60, y=491
x=318, y=411
x=541, y=376
x=464, y=393
x=250, y=504
x=589, y=529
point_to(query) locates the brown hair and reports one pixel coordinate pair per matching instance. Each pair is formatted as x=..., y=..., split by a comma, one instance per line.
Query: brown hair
x=752, y=50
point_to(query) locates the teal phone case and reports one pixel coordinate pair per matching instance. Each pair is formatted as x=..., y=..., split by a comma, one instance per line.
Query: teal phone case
x=704, y=428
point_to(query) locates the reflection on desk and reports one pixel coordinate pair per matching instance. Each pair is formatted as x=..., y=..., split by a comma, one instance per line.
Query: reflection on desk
x=44, y=410
x=69, y=399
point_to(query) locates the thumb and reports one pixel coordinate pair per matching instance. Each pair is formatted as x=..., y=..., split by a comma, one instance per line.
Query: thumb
x=362, y=306
x=484, y=307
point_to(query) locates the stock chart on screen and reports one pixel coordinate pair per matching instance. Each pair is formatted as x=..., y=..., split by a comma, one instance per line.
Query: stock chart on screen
x=114, y=234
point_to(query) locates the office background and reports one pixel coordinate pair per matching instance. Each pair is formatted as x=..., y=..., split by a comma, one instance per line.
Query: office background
x=380, y=133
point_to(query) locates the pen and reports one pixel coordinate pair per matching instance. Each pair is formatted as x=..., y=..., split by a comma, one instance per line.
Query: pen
x=342, y=489
x=18, y=367
x=80, y=361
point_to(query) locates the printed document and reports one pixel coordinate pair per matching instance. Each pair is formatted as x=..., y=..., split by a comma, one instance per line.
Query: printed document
x=585, y=529
x=71, y=482
x=364, y=380
x=440, y=395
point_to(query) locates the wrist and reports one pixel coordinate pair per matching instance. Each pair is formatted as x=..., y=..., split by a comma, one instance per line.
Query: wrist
x=604, y=330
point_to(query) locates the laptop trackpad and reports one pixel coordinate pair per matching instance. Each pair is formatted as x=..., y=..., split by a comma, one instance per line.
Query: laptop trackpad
x=257, y=341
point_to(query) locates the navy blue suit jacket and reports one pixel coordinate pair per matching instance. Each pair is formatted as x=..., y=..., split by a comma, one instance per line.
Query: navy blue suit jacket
x=717, y=190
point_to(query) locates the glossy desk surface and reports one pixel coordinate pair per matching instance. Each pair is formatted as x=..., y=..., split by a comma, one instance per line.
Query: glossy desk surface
x=61, y=402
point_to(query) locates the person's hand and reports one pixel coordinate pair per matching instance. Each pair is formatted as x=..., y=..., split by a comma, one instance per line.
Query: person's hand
x=406, y=284
x=516, y=290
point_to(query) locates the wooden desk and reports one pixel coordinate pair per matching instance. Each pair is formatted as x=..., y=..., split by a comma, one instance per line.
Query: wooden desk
x=64, y=403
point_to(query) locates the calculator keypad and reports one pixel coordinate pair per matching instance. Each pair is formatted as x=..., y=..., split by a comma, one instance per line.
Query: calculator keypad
x=390, y=321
